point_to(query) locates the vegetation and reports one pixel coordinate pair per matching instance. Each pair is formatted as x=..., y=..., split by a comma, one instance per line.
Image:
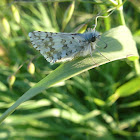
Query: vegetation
x=76, y=99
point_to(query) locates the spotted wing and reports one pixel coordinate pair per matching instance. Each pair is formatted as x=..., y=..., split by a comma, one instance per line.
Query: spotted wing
x=58, y=47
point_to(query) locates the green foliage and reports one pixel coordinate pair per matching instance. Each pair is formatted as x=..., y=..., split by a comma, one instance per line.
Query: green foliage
x=101, y=103
x=68, y=15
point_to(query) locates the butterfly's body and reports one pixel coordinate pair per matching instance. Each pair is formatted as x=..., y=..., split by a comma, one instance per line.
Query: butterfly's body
x=60, y=47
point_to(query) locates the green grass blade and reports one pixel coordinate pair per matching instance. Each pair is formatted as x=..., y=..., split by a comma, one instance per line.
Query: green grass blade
x=130, y=105
x=120, y=45
x=127, y=89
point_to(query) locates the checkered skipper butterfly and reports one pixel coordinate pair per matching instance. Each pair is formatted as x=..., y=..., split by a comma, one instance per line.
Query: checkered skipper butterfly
x=60, y=47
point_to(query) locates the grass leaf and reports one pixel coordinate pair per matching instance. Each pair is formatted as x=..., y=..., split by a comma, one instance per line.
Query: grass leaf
x=120, y=45
x=125, y=90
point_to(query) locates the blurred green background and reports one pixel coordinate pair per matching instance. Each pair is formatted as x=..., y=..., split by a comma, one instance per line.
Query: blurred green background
x=102, y=103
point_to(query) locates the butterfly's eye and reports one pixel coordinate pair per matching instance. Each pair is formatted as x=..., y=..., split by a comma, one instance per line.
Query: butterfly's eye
x=93, y=39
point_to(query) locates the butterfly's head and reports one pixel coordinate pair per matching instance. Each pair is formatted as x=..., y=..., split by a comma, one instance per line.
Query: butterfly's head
x=95, y=36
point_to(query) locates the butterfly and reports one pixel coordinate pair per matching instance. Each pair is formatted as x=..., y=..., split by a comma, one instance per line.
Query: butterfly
x=60, y=47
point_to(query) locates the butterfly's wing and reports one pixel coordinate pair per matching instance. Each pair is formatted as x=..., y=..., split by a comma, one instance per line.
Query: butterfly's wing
x=59, y=47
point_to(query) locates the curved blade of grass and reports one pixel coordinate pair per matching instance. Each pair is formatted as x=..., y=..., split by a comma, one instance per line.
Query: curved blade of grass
x=120, y=45
x=127, y=89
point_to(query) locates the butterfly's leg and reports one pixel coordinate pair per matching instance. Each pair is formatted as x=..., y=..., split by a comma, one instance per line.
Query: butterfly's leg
x=92, y=56
x=101, y=53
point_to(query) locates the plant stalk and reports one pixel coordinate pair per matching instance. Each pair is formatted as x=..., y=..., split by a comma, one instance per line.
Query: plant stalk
x=121, y=15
